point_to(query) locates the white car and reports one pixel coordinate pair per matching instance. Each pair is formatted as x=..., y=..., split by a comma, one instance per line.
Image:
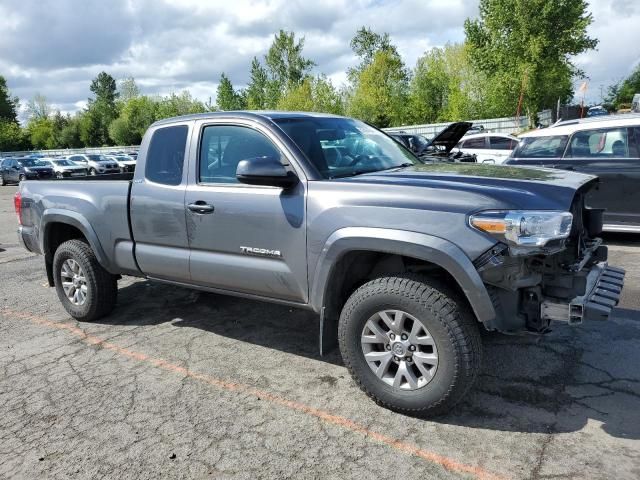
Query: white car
x=125, y=162
x=488, y=147
x=64, y=168
x=94, y=163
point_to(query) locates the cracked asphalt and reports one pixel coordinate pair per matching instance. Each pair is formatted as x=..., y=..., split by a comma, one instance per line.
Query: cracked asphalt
x=183, y=384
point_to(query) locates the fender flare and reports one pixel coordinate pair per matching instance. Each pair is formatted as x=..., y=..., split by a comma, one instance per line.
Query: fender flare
x=69, y=217
x=430, y=248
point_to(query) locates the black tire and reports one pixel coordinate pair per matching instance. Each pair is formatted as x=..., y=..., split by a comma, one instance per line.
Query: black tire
x=448, y=320
x=102, y=287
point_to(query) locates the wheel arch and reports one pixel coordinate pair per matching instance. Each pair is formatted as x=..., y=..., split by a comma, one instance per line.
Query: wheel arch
x=59, y=226
x=350, y=250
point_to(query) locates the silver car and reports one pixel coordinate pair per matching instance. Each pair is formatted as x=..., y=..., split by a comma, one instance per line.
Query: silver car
x=64, y=168
x=95, y=163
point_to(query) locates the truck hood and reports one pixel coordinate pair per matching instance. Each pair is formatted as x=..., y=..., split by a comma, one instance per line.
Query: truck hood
x=514, y=187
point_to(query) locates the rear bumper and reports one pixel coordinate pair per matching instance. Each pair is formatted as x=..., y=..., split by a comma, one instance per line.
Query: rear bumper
x=602, y=294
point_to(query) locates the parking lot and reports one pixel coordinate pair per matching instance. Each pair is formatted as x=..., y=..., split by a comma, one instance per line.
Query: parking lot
x=182, y=384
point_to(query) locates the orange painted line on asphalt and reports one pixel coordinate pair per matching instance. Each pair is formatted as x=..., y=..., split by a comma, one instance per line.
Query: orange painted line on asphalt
x=445, y=462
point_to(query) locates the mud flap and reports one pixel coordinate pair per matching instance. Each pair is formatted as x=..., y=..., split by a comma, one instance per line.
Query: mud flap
x=328, y=338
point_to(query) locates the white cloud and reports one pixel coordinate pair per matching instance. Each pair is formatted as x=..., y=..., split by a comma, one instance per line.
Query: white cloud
x=55, y=47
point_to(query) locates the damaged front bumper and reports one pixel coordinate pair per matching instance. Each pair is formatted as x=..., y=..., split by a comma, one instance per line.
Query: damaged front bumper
x=602, y=294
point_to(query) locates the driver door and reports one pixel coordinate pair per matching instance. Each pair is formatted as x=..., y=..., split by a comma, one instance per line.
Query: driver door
x=244, y=238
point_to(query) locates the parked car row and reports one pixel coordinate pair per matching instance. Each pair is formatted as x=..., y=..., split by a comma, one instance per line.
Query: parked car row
x=37, y=166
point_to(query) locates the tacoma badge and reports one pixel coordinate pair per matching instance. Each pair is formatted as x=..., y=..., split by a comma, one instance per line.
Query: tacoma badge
x=260, y=251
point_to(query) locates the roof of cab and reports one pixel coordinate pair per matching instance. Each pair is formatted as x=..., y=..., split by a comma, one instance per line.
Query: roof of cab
x=247, y=114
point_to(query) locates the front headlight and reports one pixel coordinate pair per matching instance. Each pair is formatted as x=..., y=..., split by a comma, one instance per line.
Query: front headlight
x=524, y=228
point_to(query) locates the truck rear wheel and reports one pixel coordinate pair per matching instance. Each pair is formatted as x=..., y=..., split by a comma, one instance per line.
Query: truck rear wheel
x=410, y=343
x=87, y=291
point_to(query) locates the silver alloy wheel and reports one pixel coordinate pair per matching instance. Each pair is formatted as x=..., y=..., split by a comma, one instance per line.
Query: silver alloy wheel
x=74, y=282
x=399, y=349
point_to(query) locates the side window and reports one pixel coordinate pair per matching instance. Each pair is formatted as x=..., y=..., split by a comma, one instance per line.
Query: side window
x=475, y=143
x=501, y=143
x=223, y=146
x=165, y=157
x=611, y=143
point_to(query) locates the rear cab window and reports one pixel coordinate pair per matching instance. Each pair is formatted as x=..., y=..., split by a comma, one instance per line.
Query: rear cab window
x=165, y=156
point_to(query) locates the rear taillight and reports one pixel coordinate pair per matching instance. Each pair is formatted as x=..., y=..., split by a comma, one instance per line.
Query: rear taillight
x=17, y=203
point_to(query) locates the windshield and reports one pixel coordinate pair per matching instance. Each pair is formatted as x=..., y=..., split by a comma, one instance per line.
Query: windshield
x=541, y=147
x=124, y=159
x=97, y=158
x=63, y=163
x=32, y=162
x=343, y=147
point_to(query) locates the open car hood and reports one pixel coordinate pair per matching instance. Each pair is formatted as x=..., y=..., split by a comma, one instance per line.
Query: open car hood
x=449, y=137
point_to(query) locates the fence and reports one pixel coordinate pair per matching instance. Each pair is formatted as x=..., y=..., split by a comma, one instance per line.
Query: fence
x=496, y=125
x=71, y=151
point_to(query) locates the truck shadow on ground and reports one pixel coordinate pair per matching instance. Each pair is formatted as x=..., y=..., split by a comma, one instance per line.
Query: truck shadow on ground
x=550, y=384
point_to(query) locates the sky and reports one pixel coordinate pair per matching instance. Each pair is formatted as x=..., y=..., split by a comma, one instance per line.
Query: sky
x=55, y=47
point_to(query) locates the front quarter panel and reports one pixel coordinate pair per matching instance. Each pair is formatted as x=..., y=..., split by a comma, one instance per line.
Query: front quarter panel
x=416, y=245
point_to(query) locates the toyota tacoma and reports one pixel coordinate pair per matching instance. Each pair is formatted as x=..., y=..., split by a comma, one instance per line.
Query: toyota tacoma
x=404, y=262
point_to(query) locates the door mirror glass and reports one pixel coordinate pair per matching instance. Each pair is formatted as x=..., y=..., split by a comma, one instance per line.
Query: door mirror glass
x=266, y=170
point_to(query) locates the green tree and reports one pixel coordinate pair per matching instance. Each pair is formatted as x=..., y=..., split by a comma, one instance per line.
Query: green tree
x=8, y=104
x=285, y=65
x=41, y=133
x=38, y=107
x=101, y=111
x=135, y=117
x=313, y=95
x=180, y=104
x=128, y=89
x=70, y=136
x=622, y=92
x=257, y=87
x=227, y=98
x=445, y=86
x=526, y=47
x=365, y=44
x=12, y=137
x=91, y=129
x=380, y=95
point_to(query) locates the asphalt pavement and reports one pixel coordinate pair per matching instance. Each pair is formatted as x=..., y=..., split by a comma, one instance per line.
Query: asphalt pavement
x=183, y=384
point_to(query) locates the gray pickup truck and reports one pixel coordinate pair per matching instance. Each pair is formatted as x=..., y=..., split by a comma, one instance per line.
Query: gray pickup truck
x=404, y=260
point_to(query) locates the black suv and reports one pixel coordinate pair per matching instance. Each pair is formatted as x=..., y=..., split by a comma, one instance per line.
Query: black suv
x=608, y=147
x=15, y=170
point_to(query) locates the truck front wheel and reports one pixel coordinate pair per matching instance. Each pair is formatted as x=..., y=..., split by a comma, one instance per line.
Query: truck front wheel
x=410, y=343
x=87, y=291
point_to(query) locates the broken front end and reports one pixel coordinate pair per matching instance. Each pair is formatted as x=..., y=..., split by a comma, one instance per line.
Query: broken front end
x=548, y=265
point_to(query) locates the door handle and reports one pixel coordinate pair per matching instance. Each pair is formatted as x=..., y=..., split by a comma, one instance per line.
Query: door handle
x=200, y=207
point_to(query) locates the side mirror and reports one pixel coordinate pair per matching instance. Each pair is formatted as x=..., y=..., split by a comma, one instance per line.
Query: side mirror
x=265, y=171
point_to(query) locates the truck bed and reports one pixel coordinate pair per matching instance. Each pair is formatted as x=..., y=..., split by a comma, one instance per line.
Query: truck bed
x=98, y=206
